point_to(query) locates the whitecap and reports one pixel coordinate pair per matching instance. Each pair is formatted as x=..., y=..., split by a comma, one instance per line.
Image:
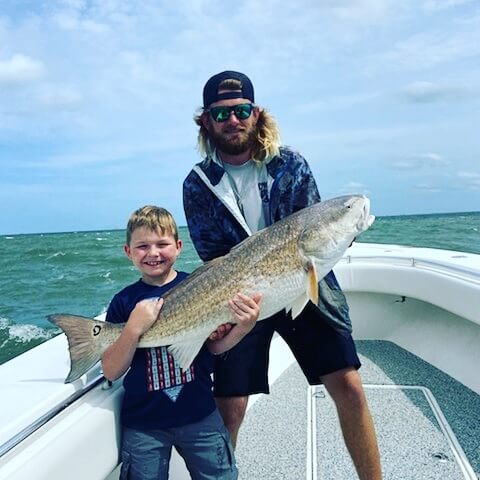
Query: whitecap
x=4, y=323
x=56, y=254
x=26, y=333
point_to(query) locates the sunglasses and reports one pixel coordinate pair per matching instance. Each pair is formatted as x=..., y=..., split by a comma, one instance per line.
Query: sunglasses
x=222, y=114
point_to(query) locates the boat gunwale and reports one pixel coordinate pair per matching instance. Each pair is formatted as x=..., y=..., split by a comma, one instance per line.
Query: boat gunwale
x=46, y=417
x=437, y=266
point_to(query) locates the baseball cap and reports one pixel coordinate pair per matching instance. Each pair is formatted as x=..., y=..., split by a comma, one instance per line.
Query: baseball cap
x=210, y=90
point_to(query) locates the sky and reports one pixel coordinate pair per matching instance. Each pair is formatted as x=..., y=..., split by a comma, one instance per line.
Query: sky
x=97, y=100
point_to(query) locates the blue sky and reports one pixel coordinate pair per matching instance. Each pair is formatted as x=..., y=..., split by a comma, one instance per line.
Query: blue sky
x=97, y=97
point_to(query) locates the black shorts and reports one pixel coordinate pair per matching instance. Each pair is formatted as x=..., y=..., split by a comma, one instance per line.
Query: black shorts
x=318, y=348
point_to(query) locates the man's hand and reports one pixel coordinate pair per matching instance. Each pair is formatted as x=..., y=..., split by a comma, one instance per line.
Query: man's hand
x=245, y=310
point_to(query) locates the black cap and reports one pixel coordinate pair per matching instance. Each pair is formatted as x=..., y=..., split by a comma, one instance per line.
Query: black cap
x=210, y=90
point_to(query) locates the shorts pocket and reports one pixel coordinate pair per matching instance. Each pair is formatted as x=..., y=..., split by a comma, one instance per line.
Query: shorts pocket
x=225, y=455
x=227, y=466
x=215, y=458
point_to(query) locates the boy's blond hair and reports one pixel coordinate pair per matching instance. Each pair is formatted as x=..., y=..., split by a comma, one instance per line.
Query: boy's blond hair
x=155, y=219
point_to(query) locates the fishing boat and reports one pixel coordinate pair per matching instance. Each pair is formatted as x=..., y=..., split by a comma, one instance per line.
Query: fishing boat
x=416, y=317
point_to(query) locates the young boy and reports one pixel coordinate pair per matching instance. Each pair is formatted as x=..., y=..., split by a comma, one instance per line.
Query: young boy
x=163, y=405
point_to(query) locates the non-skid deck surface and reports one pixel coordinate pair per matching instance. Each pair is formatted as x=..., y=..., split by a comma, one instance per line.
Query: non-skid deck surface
x=294, y=432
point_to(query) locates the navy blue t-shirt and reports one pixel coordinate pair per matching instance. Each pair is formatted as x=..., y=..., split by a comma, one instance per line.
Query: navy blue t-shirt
x=158, y=393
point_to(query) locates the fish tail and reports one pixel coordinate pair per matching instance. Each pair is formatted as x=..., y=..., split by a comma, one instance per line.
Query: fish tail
x=87, y=340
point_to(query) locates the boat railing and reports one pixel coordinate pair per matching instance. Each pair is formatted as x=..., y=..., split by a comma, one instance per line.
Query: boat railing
x=45, y=418
x=444, y=268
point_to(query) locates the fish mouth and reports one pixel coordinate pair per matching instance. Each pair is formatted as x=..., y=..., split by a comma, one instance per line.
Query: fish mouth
x=366, y=220
x=369, y=218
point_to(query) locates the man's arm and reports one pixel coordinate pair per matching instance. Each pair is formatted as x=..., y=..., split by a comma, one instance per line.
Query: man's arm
x=118, y=357
x=245, y=311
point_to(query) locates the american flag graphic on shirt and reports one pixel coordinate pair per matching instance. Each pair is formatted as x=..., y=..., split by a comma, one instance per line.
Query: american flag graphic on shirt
x=164, y=373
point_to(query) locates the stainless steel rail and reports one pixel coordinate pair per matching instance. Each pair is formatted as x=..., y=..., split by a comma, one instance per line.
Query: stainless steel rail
x=34, y=426
x=433, y=265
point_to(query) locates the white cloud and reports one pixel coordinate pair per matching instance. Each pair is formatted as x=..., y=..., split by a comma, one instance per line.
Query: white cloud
x=427, y=49
x=427, y=187
x=34, y=189
x=353, y=187
x=431, y=159
x=21, y=69
x=428, y=92
x=403, y=165
x=421, y=161
x=361, y=11
x=436, y=5
x=59, y=98
x=471, y=180
x=139, y=151
x=71, y=22
x=337, y=102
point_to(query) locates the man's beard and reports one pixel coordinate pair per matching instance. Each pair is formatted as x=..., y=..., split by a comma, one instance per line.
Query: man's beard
x=234, y=146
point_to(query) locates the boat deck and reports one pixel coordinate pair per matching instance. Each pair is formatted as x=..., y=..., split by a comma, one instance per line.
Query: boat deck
x=428, y=424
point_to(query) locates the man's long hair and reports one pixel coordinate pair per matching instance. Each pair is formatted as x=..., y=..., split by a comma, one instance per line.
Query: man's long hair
x=267, y=138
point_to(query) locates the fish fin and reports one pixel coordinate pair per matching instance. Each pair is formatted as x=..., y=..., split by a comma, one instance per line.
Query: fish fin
x=312, y=283
x=185, y=352
x=86, y=341
x=311, y=294
x=298, y=305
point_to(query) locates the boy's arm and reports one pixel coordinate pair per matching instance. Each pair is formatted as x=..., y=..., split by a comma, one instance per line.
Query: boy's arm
x=245, y=311
x=117, y=359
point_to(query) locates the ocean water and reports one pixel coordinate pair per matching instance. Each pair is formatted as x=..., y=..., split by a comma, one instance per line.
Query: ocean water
x=79, y=272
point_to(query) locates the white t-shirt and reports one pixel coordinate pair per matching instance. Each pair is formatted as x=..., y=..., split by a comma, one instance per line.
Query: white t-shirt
x=244, y=180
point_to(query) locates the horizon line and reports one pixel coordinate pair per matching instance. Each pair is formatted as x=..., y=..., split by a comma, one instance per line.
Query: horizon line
x=99, y=230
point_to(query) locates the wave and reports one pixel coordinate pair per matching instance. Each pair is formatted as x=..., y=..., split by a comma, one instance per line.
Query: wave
x=56, y=254
x=16, y=338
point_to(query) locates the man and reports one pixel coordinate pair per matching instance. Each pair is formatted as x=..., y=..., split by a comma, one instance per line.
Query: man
x=248, y=181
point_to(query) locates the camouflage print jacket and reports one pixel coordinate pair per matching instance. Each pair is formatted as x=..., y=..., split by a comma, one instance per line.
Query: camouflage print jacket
x=216, y=223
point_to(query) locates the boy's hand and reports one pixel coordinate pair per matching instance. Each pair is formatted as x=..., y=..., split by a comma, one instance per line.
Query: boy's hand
x=143, y=316
x=245, y=310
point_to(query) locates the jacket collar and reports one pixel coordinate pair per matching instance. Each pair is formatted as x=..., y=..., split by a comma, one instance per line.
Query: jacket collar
x=213, y=168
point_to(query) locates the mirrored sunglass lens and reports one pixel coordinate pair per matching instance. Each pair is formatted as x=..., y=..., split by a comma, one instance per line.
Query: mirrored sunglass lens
x=220, y=114
x=243, y=111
